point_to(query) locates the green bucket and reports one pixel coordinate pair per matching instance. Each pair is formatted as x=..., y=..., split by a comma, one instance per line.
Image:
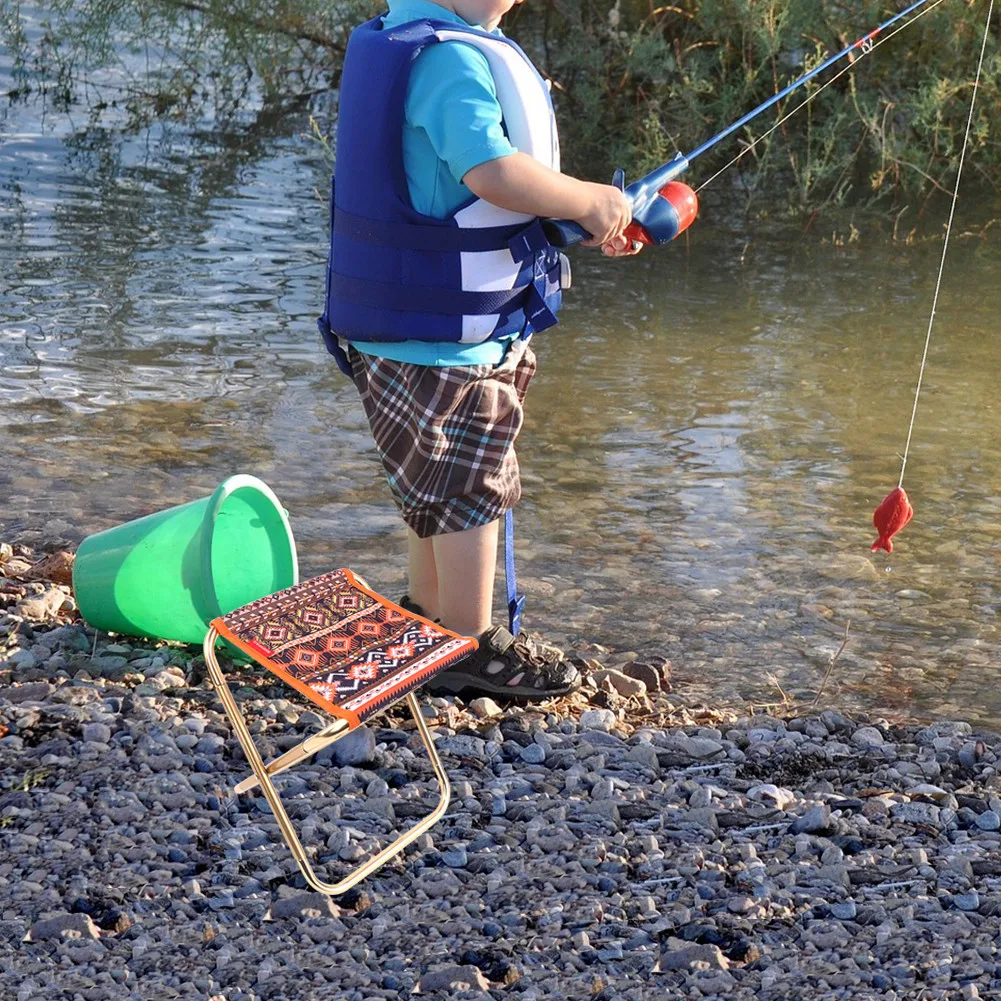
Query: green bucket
x=169, y=574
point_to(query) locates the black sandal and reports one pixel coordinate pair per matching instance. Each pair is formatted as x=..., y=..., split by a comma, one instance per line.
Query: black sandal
x=545, y=669
x=541, y=678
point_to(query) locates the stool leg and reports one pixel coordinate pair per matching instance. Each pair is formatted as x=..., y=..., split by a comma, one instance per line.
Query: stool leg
x=288, y=832
x=310, y=746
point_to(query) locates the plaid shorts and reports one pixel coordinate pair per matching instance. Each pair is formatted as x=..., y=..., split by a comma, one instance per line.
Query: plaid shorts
x=446, y=435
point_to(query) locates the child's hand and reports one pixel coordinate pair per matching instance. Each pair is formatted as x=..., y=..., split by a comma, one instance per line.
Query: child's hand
x=610, y=214
x=621, y=246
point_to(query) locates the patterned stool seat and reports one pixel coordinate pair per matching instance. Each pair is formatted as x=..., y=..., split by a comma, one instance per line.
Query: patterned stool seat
x=343, y=646
x=352, y=653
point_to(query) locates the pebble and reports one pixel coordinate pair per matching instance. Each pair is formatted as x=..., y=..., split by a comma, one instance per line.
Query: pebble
x=454, y=978
x=697, y=747
x=845, y=910
x=301, y=905
x=99, y=732
x=989, y=820
x=867, y=736
x=625, y=685
x=65, y=926
x=813, y=821
x=356, y=747
x=485, y=708
x=916, y=813
x=533, y=754
x=602, y=720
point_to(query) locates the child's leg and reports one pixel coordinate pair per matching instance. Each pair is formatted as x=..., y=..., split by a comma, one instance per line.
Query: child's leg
x=466, y=562
x=423, y=574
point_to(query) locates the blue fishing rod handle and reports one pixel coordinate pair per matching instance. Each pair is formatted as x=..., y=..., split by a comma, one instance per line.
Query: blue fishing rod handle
x=565, y=232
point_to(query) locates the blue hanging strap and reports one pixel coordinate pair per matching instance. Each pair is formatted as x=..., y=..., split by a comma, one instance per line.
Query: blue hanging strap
x=515, y=601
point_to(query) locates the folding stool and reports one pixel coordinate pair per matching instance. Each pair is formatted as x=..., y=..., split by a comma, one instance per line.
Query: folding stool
x=352, y=653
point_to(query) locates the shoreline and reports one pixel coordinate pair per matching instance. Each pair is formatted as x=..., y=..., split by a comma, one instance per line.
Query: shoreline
x=600, y=846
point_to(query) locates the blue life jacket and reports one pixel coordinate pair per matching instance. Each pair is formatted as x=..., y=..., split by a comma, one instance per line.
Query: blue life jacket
x=395, y=274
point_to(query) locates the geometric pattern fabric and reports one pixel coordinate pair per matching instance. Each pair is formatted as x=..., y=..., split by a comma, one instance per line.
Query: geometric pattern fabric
x=346, y=648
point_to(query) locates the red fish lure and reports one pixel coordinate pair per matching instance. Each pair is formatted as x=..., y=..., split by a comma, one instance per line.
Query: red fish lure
x=890, y=517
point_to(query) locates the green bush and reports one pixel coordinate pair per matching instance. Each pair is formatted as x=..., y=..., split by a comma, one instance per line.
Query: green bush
x=638, y=82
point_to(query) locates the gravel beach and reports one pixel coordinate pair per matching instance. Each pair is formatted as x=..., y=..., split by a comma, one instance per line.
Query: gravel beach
x=630, y=842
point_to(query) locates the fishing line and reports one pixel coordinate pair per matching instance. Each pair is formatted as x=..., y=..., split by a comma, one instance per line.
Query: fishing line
x=863, y=51
x=945, y=244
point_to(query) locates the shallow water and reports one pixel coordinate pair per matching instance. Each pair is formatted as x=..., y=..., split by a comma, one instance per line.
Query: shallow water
x=711, y=427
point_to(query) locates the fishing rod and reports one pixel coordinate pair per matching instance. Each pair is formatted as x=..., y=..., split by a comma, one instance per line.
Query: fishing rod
x=663, y=207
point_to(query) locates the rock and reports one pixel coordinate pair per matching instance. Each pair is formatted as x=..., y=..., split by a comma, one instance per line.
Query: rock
x=775, y=795
x=702, y=817
x=99, y=732
x=41, y=607
x=626, y=686
x=533, y=754
x=867, y=736
x=644, y=754
x=357, y=747
x=485, y=708
x=462, y=746
x=695, y=747
x=65, y=926
x=213, y=743
x=813, y=821
x=680, y=954
x=989, y=820
x=455, y=858
x=945, y=728
x=916, y=813
x=844, y=910
x=304, y=905
x=24, y=660
x=646, y=673
x=454, y=978
x=37, y=691
x=602, y=720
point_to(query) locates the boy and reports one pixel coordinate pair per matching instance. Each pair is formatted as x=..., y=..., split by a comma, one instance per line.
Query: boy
x=439, y=273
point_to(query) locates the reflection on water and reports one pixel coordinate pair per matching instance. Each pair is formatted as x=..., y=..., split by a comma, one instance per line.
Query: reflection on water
x=705, y=441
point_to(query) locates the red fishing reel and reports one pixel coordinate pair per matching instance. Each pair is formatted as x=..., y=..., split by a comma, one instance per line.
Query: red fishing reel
x=673, y=211
x=662, y=207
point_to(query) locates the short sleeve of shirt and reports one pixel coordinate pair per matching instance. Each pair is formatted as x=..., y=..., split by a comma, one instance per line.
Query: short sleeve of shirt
x=452, y=97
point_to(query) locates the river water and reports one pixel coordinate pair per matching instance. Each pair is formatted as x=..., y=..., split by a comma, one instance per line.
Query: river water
x=710, y=430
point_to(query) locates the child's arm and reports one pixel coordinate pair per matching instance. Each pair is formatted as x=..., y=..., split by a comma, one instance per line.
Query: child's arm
x=522, y=184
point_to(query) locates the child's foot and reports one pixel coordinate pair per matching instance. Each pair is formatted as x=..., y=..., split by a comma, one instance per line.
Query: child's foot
x=506, y=666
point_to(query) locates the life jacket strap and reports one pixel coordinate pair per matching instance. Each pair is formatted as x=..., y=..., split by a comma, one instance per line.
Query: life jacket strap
x=426, y=298
x=441, y=239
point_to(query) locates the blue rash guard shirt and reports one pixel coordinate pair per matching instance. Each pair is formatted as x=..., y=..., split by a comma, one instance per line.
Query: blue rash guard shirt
x=452, y=124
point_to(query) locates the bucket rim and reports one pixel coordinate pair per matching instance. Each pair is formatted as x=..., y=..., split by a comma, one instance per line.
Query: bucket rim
x=229, y=486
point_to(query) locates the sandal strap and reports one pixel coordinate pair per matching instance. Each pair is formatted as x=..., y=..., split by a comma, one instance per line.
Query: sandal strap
x=518, y=657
